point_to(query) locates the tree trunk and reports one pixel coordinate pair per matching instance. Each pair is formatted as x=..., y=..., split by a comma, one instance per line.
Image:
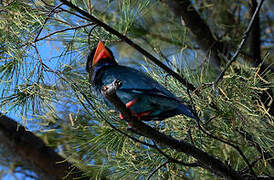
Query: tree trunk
x=255, y=52
x=44, y=161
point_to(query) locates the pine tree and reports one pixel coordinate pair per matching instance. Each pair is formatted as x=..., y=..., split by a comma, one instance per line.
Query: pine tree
x=184, y=45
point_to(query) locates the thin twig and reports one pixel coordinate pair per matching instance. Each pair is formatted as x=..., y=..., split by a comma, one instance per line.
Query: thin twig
x=70, y=12
x=155, y=170
x=89, y=33
x=190, y=136
x=132, y=44
x=209, y=120
x=246, y=33
x=63, y=30
x=252, y=164
x=193, y=108
x=50, y=13
x=41, y=62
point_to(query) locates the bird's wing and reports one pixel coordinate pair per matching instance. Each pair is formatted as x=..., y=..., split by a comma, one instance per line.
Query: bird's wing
x=148, y=92
x=136, y=81
x=136, y=84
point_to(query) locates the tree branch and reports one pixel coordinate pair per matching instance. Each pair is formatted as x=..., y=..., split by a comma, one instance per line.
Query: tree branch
x=154, y=146
x=255, y=35
x=267, y=156
x=206, y=160
x=44, y=161
x=132, y=44
x=50, y=13
x=155, y=170
x=63, y=30
x=246, y=33
x=171, y=159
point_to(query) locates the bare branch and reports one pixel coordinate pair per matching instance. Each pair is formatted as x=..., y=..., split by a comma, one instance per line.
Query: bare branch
x=63, y=30
x=246, y=33
x=89, y=33
x=50, y=13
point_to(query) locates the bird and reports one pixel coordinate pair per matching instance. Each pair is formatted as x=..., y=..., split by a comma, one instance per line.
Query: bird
x=145, y=97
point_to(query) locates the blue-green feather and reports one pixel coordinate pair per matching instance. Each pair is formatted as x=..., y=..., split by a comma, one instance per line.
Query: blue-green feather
x=135, y=84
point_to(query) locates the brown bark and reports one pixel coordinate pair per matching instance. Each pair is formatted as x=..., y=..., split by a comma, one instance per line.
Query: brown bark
x=44, y=161
x=255, y=36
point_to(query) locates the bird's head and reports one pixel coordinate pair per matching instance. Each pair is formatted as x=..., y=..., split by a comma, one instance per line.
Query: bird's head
x=99, y=57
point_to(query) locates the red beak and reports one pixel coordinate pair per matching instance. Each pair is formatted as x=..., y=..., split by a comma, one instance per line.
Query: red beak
x=101, y=53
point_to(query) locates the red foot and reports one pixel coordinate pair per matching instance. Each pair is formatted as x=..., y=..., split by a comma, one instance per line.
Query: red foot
x=138, y=115
x=121, y=116
x=128, y=105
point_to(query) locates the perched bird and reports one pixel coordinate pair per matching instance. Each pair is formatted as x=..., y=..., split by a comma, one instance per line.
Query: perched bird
x=145, y=97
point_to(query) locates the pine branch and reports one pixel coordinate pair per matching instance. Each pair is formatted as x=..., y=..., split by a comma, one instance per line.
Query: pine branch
x=211, y=163
x=246, y=33
x=237, y=148
x=46, y=20
x=132, y=44
x=267, y=156
x=108, y=89
x=63, y=30
x=155, y=170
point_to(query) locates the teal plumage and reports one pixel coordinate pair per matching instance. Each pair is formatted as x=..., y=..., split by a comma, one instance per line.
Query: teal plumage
x=149, y=100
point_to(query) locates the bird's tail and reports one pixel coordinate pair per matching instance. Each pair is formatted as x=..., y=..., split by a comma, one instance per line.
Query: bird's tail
x=186, y=110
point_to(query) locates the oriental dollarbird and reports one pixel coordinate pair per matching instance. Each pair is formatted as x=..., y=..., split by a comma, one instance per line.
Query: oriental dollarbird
x=145, y=97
